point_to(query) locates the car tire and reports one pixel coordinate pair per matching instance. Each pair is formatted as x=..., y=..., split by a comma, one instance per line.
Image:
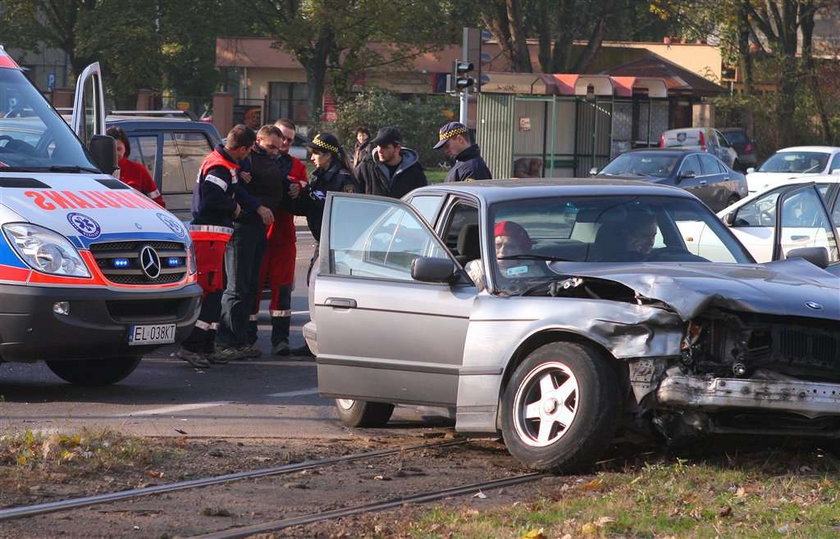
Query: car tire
x=732, y=200
x=357, y=413
x=580, y=426
x=94, y=372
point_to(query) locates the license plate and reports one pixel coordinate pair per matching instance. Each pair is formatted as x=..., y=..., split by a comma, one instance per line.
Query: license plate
x=151, y=334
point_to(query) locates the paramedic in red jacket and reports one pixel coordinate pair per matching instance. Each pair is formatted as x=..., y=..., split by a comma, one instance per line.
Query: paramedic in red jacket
x=132, y=172
x=278, y=265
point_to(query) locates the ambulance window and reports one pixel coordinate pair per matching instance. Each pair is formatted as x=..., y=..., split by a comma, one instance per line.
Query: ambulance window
x=144, y=149
x=193, y=147
x=173, y=172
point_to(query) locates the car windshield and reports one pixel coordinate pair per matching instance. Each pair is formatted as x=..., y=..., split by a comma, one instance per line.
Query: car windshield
x=641, y=164
x=33, y=137
x=800, y=162
x=534, y=240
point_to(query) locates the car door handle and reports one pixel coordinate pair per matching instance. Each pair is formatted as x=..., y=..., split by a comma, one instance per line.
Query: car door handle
x=800, y=238
x=702, y=182
x=341, y=303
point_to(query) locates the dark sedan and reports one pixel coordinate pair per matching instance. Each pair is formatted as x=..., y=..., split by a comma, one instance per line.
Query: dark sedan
x=699, y=173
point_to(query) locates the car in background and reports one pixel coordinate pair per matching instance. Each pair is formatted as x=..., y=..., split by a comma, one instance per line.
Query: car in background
x=790, y=164
x=562, y=344
x=741, y=142
x=810, y=216
x=698, y=172
x=172, y=146
x=705, y=139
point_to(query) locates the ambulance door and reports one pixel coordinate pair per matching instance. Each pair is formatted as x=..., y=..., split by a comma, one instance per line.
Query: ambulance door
x=89, y=105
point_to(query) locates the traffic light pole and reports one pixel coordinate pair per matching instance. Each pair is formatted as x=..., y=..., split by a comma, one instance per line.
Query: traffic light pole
x=464, y=99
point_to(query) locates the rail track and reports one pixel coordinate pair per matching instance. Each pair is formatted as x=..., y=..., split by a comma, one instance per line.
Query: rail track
x=309, y=515
x=76, y=503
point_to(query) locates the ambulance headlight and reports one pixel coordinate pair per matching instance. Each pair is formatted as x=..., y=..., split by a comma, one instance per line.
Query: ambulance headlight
x=45, y=251
x=191, y=262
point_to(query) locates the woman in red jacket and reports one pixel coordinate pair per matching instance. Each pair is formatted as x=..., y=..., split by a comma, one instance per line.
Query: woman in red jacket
x=132, y=172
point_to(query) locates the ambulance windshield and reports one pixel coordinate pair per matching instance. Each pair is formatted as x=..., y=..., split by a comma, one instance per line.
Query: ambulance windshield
x=33, y=137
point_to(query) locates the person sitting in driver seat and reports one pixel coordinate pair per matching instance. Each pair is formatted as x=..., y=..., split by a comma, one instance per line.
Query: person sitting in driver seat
x=511, y=240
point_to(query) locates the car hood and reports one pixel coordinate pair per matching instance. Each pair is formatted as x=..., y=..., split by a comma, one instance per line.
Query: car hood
x=88, y=208
x=787, y=288
x=759, y=181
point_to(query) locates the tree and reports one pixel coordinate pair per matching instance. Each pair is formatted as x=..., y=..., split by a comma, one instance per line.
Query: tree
x=332, y=38
x=33, y=24
x=557, y=25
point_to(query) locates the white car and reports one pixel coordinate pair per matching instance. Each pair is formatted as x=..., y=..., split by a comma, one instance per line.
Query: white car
x=790, y=164
x=807, y=213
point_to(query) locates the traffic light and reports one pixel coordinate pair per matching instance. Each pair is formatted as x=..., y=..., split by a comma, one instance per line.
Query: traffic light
x=460, y=75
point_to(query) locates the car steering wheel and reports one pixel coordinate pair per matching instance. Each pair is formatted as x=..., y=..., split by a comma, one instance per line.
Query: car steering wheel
x=17, y=112
x=670, y=254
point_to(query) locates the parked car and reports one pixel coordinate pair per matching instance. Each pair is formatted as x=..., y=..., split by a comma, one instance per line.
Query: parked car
x=705, y=139
x=561, y=345
x=810, y=215
x=790, y=164
x=700, y=173
x=172, y=147
x=740, y=141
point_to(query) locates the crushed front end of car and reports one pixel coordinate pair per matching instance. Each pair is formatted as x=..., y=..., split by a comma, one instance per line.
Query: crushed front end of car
x=759, y=353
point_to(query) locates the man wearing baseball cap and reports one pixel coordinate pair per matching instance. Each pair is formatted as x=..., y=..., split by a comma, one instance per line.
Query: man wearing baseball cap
x=454, y=139
x=390, y=170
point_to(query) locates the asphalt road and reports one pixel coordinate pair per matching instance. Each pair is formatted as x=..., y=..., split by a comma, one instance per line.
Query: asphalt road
x=271, y=397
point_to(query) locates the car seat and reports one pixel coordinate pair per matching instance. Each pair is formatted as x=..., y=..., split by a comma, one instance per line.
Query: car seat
x=468, y=244
x=610, y=241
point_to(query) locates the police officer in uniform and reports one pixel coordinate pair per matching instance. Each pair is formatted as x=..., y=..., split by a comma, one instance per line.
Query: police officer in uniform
x=456, y=144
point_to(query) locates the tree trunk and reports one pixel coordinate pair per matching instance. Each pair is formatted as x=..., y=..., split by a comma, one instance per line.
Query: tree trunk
x=807, y=26
x=744, y=57
x=521, y=58
x=595, y=40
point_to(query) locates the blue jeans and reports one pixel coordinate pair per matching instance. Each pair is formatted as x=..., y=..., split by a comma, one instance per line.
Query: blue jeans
x=242, y=267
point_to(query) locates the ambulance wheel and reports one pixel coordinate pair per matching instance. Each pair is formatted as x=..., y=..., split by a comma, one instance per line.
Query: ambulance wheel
x=356, y=413
x=94, y=372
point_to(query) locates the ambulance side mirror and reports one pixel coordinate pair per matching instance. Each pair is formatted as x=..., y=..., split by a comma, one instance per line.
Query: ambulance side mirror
x=104, y=151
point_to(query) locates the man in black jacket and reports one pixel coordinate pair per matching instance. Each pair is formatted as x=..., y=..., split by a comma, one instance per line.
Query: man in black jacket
x=244, y=253
x=390, y=169
x=456, y=144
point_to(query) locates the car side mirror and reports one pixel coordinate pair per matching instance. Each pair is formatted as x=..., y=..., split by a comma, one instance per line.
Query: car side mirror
x=593, y=171
x=817, y=256
x=686, y=176
x=750, y=170
x=729, y=218
x=103, y=149
x=427, y=269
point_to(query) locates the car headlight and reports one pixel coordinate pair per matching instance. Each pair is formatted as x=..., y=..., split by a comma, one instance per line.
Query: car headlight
x=191, y=262
x=45, y=251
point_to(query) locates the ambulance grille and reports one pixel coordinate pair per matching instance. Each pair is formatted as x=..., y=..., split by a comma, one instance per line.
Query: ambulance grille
x=120, y=262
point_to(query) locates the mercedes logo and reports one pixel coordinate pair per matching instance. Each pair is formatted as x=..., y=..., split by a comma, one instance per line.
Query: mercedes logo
x=150, y=262
x=813, y=305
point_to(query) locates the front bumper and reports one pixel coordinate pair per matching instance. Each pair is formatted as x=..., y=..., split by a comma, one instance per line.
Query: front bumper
x=97, y=325
x=808, y=399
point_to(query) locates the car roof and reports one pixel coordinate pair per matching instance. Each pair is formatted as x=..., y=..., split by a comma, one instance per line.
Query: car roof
x=676, y=150
x=827, y=149
x=817, y=179
x=492, y=191
x=162, y=124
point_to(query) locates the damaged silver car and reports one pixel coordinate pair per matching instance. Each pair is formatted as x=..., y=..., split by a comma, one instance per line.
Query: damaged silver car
x=564, y=313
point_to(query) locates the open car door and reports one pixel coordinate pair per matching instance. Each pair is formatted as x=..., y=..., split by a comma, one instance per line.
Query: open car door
x=803, y=220
x=89, y=105
x=382, y=335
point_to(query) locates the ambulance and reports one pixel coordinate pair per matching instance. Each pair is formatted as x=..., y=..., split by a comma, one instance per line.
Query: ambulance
x=93, y=275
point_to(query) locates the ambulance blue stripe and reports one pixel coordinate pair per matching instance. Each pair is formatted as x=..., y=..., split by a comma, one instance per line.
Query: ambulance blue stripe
x=8, y=257
x=82, y=242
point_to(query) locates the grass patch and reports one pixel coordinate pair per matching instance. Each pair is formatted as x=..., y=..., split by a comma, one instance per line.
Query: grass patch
x=436, y=175
x=770, y=494
x=26, y=458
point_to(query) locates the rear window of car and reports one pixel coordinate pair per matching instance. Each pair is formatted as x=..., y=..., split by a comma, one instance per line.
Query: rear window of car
x=682, y=138
x=736, y=137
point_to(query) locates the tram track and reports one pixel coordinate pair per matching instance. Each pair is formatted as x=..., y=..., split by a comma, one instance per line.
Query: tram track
x=124, y=495
x=425, y=497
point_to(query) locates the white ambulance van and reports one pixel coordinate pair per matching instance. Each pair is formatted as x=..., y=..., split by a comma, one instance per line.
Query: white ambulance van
x=93, y=275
